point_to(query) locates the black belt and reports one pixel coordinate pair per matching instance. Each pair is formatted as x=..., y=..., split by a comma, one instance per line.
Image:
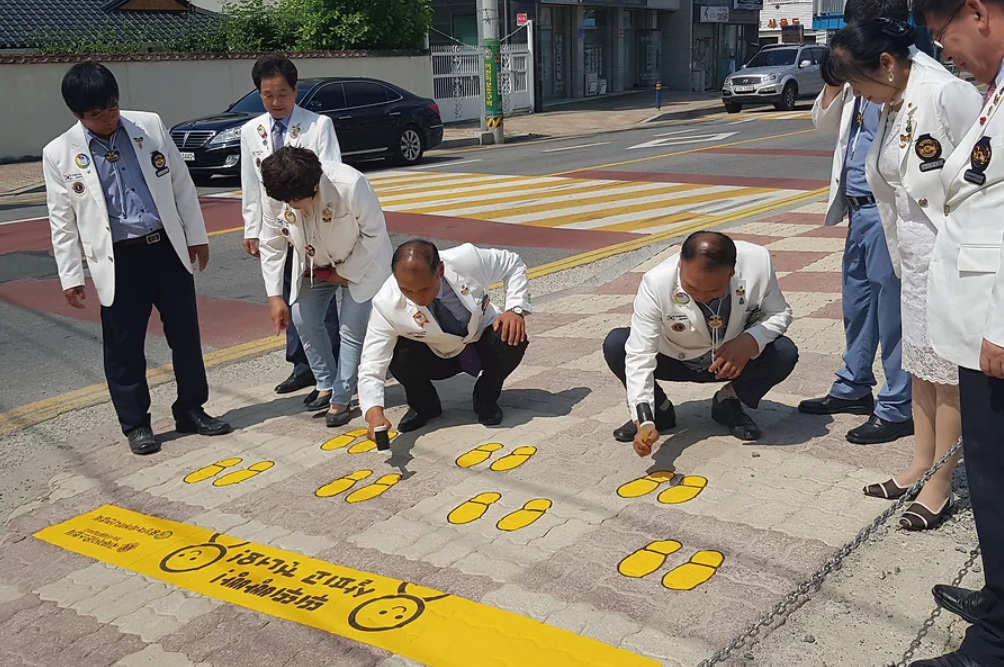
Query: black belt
x=150, y=239
x=860, y=202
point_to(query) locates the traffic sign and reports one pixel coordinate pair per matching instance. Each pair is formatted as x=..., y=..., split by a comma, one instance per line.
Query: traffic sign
x=522, y=20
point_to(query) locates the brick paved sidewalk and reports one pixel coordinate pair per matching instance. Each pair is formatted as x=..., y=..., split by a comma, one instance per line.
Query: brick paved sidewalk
x=775, y=509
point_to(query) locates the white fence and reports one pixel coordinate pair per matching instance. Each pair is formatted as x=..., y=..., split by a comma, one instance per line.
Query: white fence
x=458, y=80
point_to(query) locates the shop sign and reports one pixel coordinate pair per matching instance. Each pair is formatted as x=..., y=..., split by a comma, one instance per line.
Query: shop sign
x=714, y=14
x=748, y=5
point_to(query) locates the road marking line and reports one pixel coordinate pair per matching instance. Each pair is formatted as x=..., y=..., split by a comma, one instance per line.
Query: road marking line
x=423, y=624
x=527, y=185
x=18, y=222
x=573, y=148
x=448, y=164
x=744, y=120
x=684, y=152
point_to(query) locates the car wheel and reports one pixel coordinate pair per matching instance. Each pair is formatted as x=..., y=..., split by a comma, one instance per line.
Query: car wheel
x=733, y=108
x=788, y=98
x=410, y=146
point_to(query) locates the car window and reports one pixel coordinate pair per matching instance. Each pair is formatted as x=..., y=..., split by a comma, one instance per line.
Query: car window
x=774, y=58
x=251, y=103
x=364, y=94
x=329, y=98
x=817, y=55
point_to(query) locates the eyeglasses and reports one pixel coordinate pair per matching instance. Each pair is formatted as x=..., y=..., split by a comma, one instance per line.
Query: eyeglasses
x=936, y=38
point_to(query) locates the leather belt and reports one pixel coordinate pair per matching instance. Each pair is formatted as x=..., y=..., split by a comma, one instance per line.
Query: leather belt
x=150, y=239
x=860, y=202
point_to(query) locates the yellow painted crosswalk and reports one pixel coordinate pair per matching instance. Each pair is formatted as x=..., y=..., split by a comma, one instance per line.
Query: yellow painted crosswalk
x=568, y=203
x=756, y=115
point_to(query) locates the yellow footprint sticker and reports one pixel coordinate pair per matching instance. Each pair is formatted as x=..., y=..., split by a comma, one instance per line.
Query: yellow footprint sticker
x=532, y=510
x=688, y=489
x=210, y=471
x=473, y=509
x=519, y=456
x=648, y=559
x=343, y=440
x=478, y=455
x=238, y=476
x=644, y=485
x=368, y=445
x=374, y=490
x=342, y=484
x=701, y=567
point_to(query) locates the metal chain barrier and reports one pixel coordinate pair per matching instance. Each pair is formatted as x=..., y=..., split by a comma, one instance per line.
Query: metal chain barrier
x=777, y=616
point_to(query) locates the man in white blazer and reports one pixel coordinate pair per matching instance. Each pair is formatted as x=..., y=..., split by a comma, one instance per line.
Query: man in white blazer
x=712, y=313
x=966, y=308
x=871, y=289
x=433, y=319
x=283, y=124
x=119, y=193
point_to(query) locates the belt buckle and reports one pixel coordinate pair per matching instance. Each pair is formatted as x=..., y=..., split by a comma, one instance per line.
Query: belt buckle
x=153, y=238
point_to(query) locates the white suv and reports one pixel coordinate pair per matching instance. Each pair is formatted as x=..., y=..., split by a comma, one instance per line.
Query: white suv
x=778, y=74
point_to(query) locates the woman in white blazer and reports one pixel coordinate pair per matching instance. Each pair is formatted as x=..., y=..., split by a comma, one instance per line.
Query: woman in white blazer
x=333, y=222
x=926, y=112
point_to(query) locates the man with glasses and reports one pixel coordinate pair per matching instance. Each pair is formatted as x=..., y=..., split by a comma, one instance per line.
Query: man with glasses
x=871, y=290
x=120, y=195
x=966, y=309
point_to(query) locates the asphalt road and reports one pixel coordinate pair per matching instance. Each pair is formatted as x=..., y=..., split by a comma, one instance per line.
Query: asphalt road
x=566, y=197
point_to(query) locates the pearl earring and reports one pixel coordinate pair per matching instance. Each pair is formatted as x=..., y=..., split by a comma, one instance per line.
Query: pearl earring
x=892, y=77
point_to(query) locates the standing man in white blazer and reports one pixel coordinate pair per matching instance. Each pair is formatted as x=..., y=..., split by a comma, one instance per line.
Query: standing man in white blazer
x=433, y=319
x=966, y=308
x=119, y=193
x=712, y=313
x=284, y=123
x=871, y=289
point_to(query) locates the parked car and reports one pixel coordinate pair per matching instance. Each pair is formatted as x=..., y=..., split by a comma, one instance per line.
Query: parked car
x=373, y=119
x=778, y=74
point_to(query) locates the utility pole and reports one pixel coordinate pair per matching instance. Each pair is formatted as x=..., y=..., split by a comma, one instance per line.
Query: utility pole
x=491, y=117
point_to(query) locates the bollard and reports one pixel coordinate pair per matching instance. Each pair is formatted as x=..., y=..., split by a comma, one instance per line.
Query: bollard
x=658, y=96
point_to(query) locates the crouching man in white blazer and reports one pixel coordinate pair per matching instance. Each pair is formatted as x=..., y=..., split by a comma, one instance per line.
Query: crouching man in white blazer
x=119, y=192
x=433, y=319
x=712, y=313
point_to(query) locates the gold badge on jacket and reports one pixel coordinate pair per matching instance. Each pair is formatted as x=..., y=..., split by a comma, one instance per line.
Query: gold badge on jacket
x=420, y=319
x=79, y=188
x=928, y=149
x=682, y=298
x=678, y=327
x=290, y=217
x=979, y=160
x=159, y=163
x=261, y=132
x=295, y=131
x=327, y=216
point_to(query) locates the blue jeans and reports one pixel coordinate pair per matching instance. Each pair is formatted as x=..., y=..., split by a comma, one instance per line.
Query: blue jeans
x=294, y=347
x=337, y=376
x=871, y=301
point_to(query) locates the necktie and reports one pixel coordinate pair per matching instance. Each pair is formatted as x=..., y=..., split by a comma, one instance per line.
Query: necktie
x=278, y=135
x=447, y=322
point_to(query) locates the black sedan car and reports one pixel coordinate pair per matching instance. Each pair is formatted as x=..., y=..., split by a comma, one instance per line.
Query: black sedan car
x=373, y=119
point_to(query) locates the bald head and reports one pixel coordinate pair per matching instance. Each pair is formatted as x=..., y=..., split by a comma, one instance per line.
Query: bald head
x=707, y=264
x=418, y=270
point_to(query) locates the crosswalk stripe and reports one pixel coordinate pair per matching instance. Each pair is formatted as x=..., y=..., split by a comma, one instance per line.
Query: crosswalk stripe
x=643, y=225
x=458, y=180
x=457, y=193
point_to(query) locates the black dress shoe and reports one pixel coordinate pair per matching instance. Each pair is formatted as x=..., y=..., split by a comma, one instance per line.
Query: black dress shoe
x=730, y=413
x=954, y=659
x=333, y=419
x=831, y=405
x=311, y=397
x=489, y=415
x=295, y=383
x=142, y=441
x=320, y=402
x=197, y=421
x=665, y=419
x=876, y=431
x=965, y=603
x=414, y=420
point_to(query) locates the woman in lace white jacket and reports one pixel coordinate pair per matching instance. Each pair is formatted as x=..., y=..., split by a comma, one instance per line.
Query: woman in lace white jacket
x=926, y=113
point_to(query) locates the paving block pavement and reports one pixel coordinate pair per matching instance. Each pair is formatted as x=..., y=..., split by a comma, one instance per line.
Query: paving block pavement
x=543, y=517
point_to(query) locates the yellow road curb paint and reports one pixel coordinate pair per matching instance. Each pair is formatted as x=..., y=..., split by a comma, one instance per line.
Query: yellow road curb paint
x=688, y=489
x=648, y=559
x=702, y=566
x=431, y=627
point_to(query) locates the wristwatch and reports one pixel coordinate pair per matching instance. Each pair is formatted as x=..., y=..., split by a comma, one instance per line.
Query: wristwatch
x=517, y=310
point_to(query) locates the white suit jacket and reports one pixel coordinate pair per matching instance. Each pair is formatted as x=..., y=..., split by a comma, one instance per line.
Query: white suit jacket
x=303, y=128
x=838, y=117
x=470, y=271
x=966, y=287
x=78, y=216
x=347, y=222
x=939, y=109
x=667, y=321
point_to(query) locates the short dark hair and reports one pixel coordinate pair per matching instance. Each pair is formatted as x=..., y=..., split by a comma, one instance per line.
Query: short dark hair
x=867, y=10
x=291, y=173
x=417, y=249
x=714, y=249
x=274, y=65
x=856, y=49
x=89, y=86
x=926, y=9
